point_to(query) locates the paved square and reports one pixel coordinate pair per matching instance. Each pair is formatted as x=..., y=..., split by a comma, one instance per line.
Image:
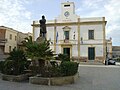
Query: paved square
x=92, y=77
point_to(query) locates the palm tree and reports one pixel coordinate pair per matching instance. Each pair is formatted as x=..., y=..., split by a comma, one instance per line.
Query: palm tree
x=38, y=51
x=16, y=62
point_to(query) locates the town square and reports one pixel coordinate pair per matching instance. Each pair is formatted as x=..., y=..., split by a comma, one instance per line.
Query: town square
x=54, y=45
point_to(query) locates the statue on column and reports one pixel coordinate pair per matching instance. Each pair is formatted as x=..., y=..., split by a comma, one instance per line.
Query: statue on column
x=43, y=27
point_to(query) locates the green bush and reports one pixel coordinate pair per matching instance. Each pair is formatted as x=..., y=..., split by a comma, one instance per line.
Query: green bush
x=8, y=67
x=63, y=57
x=65, y=69
x=69, y=68
x=16, y=63
x=1, y=65
x=55, y=71
x=118, y=59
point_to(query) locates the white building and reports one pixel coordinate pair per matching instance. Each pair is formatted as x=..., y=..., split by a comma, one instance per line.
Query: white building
x=81, y=38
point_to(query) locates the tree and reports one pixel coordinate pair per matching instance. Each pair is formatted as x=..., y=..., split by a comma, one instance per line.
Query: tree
x=16, y=63
x=38, y=51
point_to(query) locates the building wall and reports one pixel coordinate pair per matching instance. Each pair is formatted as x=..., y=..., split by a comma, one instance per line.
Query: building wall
x=97, y=42
x=10, y=42
x=75, y=50
x=98, y=32
x=6, y=42
x=116, y=51
x=78, y=33
x=2, y=33
x=36, y=33
x=98, y=50
x=21, y=36
x=72, y=29
x=109, y=48
x=50, y=33
x=2, y=40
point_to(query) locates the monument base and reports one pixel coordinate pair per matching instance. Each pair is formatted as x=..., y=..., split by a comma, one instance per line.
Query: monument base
x=40, y=39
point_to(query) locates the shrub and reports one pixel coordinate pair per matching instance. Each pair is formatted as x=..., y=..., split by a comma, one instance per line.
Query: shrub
x=69, y=68
x=1, y=65
x=8, y=67
x=16, y=63
x=63, y=57
x=55, y=71
x=118, y=59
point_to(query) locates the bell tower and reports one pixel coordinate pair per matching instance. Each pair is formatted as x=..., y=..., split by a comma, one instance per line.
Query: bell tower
x=67, y=9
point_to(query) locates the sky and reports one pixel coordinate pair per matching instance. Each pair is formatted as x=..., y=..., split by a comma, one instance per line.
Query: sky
x=19, y=14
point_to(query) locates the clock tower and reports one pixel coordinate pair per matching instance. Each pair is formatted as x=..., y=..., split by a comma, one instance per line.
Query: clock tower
x=67, y=12
x=67, y=9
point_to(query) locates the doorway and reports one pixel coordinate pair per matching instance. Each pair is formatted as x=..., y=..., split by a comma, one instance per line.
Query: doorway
x=66, y=51
x=91, y=53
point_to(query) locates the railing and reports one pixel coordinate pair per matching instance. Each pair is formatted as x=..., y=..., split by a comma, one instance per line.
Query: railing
x=3, y=40
x=66, y=41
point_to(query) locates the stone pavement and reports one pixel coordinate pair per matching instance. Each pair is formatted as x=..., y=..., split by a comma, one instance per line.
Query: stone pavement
x=92, y=77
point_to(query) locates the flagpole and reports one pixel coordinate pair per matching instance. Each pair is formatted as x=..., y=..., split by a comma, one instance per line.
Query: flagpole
x=56, y=43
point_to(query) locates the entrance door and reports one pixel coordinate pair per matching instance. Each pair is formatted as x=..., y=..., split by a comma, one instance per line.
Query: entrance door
x=91, y=53
x=66, y=51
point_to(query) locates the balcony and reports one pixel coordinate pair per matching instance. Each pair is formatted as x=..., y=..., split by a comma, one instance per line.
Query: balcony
x=66, y=41
x=3, y=41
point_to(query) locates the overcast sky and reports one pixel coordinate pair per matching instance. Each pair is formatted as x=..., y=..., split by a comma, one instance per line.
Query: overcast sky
x=19, y=14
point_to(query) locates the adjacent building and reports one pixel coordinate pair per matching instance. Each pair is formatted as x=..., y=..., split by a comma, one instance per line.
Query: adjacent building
x=109, y=51
x=9, y=39
x=116, y=51
x=80, y=38
x=20, y=37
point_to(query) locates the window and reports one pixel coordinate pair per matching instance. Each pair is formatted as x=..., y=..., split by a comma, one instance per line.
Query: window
x=15, y=38
x=67, y=5
x=66, y=33
x=91, y=34
x=10, y=36
x=9, y=48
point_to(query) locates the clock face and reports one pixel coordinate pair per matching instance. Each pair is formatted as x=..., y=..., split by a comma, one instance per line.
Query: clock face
x=66, y=13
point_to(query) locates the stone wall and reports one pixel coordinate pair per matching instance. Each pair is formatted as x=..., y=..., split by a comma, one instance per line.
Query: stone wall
x=14, y=78
x=81, y=59
x=99, y=59
x=54, y=80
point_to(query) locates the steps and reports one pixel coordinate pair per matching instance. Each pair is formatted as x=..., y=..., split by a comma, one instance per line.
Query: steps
x=91, y=63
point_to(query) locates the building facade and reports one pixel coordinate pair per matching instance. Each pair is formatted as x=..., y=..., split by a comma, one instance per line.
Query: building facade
x=116, y=51
x=21, y=37
x=10, y=39
x=109, y=48
x=80, y=38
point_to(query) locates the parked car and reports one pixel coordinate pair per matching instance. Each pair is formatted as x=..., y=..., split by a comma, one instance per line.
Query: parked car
x=111, y=62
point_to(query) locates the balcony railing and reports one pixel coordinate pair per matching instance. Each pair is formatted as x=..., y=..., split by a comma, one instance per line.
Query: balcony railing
x=3, y=40
x=66, y=41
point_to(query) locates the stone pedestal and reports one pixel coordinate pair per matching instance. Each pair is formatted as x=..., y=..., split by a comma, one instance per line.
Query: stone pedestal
x=40, y=39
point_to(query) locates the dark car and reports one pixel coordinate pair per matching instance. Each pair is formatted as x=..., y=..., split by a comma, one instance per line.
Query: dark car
x=111, y=62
